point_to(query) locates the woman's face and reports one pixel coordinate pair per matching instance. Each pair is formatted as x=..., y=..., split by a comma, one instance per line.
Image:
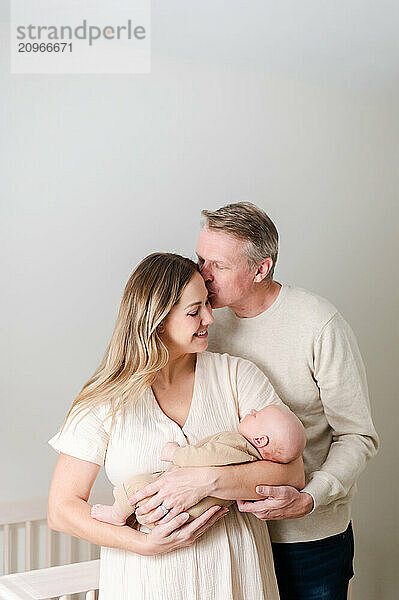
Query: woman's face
x=185, y=327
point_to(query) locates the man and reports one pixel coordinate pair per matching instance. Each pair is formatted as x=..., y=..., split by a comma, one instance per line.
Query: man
x=311, y=357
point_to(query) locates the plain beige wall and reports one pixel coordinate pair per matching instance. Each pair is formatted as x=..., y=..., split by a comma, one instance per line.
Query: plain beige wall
x=98, y=171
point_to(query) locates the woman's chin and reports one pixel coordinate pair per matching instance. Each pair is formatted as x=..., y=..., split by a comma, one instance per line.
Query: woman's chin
x=202, y=346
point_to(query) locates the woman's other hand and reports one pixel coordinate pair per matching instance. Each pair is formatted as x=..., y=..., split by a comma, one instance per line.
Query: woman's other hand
x=174, y=534
x=177, y=490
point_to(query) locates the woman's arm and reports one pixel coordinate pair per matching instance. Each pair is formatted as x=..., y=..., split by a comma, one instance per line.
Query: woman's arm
x=238, y=482
x=184, y=487
x=69, y=512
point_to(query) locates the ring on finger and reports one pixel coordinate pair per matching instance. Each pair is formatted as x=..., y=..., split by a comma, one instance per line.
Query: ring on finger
x=165, y=510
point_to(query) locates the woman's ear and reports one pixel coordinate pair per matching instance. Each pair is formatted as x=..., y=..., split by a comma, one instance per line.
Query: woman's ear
x=161, y=327
x=261, y=441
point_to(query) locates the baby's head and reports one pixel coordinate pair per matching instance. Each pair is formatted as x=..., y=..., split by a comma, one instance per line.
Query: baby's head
x=275, y=432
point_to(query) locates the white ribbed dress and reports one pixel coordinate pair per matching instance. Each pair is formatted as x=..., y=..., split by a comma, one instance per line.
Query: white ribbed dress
x=232, y=560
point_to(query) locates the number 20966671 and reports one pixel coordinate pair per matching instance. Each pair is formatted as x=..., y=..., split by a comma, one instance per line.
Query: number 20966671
x=45, y=47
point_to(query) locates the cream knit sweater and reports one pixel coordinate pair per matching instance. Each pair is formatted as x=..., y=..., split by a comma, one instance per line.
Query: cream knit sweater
x=310, y=355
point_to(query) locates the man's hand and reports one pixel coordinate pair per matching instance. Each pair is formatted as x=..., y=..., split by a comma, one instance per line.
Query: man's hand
x=177, y=490
x=168, y=451
x=282, y=502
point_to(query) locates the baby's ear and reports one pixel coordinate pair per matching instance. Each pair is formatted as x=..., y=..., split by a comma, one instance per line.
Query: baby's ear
x=261, y=441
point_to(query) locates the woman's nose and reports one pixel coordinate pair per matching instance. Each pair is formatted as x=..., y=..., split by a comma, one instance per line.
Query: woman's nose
x=207, y=317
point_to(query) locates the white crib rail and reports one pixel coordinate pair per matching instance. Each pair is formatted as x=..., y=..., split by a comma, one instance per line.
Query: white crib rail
x=58, y=581
x=26, y=513
x=54, y=582
x=15, y=513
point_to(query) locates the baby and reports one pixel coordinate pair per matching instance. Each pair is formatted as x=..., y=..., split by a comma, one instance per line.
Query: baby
x=273, y=433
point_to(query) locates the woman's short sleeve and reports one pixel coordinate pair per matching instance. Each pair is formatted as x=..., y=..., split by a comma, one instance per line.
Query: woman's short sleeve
x=83, y=437
x=254, y=390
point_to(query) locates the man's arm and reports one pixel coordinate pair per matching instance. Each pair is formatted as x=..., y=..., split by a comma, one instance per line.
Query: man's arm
x=235, y=483
x=340, y=376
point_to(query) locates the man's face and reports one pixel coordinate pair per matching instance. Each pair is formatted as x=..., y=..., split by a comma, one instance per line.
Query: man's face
x=224, y=267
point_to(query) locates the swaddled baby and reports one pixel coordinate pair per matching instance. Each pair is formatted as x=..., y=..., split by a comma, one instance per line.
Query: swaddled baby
x=273, y=433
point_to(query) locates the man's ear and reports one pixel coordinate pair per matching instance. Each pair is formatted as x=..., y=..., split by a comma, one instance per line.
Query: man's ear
x=261, y=441
x=263, y=269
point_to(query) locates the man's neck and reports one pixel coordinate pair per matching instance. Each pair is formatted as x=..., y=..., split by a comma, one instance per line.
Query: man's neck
x=258, y=301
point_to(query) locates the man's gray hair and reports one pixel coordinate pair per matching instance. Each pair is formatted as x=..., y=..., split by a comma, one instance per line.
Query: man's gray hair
x=250, y=223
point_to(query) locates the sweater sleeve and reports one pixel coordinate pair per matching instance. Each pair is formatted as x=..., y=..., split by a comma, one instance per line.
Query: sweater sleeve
x=340, y=375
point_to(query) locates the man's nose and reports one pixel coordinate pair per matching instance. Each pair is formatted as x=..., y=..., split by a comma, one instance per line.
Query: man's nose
x=206, y=272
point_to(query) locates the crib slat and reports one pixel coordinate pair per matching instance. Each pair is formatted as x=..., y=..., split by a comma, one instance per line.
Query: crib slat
x=49, y=547
x=91, y=595
x=69, y=549
x=90, y=551
x=28, y=545
x=6, y=549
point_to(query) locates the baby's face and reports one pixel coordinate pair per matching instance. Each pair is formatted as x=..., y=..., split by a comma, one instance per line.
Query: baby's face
x=254, y=424
x=275, y=431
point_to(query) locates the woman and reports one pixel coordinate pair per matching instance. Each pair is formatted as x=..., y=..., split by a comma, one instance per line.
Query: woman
x=156, y=384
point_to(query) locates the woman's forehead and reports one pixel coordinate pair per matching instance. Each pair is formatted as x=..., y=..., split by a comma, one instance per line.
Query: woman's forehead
x=195, y=291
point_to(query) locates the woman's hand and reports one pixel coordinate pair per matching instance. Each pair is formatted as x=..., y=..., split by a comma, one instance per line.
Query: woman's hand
x=177, y=490
x=173, y=534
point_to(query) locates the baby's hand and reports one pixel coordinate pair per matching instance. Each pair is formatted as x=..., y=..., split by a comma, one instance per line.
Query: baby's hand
x=168, y=451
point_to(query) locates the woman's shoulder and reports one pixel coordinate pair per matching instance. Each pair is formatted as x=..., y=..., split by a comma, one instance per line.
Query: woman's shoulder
x=90, y=416
x=228, y=362
x=247, y=383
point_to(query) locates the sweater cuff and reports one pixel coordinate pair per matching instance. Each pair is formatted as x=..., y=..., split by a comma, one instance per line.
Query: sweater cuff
x=319, y=487
x=314, y=501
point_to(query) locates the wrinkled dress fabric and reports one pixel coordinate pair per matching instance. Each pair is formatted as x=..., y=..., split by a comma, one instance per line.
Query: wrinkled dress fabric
x=233, y=559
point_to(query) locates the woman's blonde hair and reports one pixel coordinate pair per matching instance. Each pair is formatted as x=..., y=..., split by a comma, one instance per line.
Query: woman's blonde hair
x=136, y=352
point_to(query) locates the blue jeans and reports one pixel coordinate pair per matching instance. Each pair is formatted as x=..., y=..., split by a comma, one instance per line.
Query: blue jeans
x=318, y=570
